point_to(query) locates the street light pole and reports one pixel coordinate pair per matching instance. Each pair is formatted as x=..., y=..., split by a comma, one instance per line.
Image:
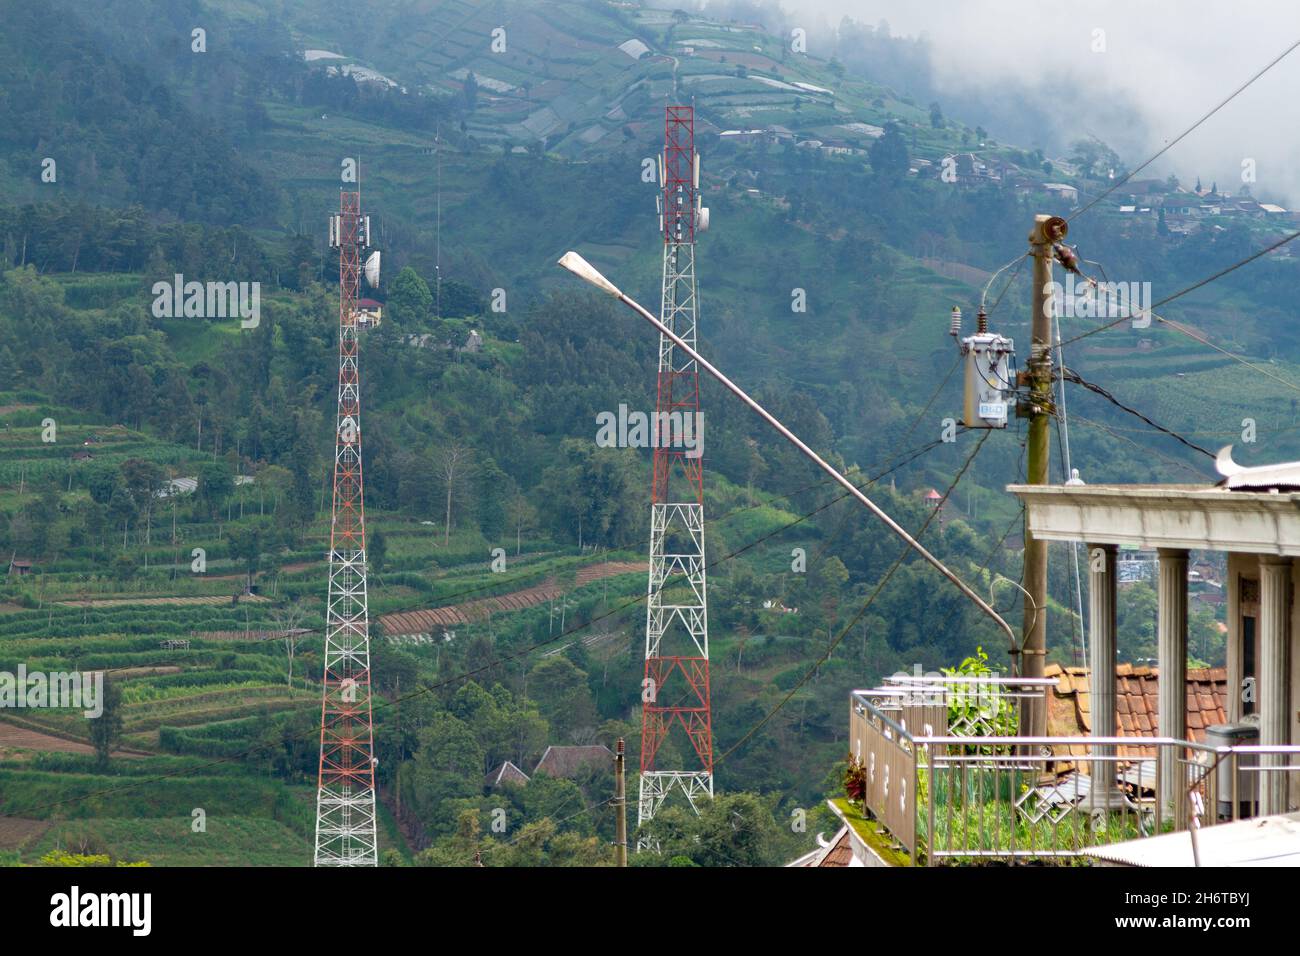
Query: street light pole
x=588, y=273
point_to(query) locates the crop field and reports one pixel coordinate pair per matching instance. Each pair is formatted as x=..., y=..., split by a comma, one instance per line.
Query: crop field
x=172, y=841
x=200, y=668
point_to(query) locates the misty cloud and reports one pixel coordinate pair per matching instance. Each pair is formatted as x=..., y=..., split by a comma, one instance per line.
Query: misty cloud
x=1029, y=74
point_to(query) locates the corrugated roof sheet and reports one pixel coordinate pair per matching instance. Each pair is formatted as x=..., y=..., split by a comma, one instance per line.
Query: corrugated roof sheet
x=1261, y=841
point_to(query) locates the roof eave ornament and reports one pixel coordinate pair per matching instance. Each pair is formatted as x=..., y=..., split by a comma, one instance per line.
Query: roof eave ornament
x=1237, y=477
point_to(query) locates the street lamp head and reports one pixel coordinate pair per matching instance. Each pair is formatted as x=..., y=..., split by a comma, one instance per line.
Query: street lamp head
x=585, y=271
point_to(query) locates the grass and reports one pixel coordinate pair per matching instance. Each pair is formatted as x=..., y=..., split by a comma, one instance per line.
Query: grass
x=873, y=834
x=172, y=841
x=978, y=814
x=976, y=822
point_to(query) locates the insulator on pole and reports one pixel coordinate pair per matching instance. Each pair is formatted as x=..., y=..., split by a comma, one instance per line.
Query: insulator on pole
x=955, y=328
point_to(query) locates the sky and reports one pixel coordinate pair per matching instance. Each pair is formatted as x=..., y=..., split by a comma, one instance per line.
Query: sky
x=1164, y=65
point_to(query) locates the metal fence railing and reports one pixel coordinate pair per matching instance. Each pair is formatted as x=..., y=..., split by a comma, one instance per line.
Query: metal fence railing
x=952, y=798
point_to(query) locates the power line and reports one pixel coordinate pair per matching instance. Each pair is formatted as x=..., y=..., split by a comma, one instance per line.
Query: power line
x=448, y=600
x=858, y=616
x=1114, y=434
x=1178, y=327
x=302, y=632
x=379, y=702
x=1191, y=288
x=1062, y=422
x=523, y=831
x=911, y=428
x=1007, y=285
x=1232, y=433
x=1187, y=132
x=1069, y=375
x=988, y=558
x=1018, y=261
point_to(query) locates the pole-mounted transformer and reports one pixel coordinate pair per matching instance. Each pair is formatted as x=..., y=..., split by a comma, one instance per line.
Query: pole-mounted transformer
x=989, y=388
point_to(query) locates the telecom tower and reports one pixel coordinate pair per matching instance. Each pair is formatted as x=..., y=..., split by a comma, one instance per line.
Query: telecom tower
x=345, y=796
x=676, y=688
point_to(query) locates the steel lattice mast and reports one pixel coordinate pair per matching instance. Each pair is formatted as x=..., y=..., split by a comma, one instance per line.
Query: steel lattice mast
x=676, y=689
x=345, y=796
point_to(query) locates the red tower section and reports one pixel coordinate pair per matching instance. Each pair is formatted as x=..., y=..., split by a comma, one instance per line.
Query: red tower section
x=675, y=691
x=345, y=799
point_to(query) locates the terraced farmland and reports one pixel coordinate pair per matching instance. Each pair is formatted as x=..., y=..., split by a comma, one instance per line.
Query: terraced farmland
x=423, y=622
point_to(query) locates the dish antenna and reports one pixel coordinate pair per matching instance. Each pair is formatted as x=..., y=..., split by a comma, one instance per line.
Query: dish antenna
x=372, y=270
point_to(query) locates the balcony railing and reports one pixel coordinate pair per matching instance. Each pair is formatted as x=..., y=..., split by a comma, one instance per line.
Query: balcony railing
x=976, y=797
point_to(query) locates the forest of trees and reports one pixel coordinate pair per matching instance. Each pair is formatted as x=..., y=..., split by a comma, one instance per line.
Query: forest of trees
x=497, y=444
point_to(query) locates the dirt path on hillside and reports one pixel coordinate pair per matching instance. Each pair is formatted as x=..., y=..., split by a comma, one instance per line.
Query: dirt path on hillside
x=425, y=622
x=21, y=738
x=16, y=832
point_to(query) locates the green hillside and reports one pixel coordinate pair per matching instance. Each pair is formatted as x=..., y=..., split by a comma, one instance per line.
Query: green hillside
x=165, y=481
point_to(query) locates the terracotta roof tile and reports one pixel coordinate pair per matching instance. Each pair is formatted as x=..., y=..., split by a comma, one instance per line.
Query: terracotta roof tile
x=1137, y=702
x=840, y=852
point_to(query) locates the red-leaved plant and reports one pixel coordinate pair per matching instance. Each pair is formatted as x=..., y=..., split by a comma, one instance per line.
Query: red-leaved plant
x=855, y=780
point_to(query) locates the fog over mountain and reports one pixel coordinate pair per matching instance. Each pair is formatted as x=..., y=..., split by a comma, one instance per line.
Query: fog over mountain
x=1157, y=67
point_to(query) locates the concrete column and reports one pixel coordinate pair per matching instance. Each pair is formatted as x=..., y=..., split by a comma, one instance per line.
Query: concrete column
x=1274, y=672
x=1172, y=621
x=1102, y=576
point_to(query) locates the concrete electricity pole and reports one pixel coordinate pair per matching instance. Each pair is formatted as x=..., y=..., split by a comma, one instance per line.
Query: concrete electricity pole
x=620, y=807
x=1047, y=231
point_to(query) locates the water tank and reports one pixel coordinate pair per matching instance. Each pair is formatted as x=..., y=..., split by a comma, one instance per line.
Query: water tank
x=1235, y=735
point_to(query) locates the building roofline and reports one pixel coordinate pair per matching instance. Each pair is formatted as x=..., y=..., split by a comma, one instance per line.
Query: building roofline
x=1206, y=517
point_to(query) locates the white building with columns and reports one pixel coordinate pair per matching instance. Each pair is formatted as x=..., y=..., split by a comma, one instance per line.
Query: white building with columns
x=1260, y=532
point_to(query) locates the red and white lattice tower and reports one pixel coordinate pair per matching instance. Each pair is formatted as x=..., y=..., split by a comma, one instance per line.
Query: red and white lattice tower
x=675, y=694
x=345, y=796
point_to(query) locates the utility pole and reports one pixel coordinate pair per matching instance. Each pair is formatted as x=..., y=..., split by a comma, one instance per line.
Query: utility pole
x=1047, y=231
x=620, y=808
